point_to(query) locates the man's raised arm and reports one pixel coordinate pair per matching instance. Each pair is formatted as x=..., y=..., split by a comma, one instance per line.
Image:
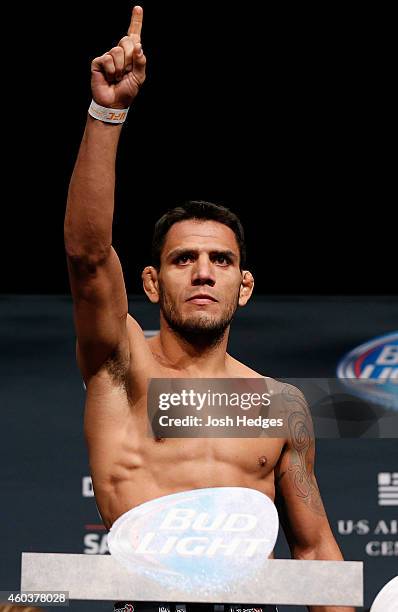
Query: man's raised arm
x=96, y=277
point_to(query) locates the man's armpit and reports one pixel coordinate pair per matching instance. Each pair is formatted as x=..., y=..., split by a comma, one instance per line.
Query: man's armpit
x=117, y=367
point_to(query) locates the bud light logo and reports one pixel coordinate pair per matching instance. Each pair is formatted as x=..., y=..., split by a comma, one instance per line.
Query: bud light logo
x=371, y=370
x=205, y=539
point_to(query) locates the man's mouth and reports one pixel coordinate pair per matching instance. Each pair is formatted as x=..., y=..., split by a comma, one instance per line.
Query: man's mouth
x=202, y=298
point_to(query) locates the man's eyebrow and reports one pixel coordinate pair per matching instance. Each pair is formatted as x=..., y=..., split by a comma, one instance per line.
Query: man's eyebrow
x=183, y=251
x=179, y=251
x=225, y=252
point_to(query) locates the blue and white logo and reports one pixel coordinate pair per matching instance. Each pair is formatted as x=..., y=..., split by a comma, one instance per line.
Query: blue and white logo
x=207, y=539
x=371, y=370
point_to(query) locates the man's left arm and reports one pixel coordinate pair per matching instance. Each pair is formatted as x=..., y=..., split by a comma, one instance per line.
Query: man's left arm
x=298, y=499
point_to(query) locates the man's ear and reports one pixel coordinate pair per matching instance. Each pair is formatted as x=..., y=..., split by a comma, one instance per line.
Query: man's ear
x=150, y=282
x=246, y=287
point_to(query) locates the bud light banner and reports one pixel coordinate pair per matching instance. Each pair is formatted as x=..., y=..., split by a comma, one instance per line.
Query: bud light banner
x=341, y=352
x=205, y=539
x=375, y=364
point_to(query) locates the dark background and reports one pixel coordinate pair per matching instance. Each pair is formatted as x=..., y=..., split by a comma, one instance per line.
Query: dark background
x=282, y=114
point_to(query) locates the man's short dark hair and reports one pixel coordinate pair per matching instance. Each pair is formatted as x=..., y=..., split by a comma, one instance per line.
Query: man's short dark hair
x=202, y=211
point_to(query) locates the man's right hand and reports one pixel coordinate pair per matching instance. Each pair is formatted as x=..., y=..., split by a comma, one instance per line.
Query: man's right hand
x=117, y=75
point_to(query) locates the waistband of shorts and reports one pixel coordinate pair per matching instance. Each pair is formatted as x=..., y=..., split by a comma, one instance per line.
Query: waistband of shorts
x=155, y=606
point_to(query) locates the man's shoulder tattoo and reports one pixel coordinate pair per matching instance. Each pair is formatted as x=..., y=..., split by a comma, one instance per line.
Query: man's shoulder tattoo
x=302, y=444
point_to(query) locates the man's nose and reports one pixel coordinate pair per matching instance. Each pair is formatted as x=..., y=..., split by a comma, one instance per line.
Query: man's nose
x=203, y=272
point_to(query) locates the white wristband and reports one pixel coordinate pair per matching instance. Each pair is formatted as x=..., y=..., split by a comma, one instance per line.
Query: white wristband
x=109, y=115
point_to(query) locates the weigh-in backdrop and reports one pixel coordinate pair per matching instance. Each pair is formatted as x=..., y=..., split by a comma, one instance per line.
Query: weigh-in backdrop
x=47, y=503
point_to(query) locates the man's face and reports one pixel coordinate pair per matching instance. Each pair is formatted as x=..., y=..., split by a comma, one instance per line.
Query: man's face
x=199, y=277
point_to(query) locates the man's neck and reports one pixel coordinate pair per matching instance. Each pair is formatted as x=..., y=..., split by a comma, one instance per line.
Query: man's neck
x=189, y=357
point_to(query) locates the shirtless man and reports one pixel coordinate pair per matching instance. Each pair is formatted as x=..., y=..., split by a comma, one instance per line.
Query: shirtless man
x=198, y=281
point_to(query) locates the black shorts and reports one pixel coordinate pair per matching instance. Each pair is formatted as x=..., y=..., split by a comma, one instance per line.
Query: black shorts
x=155, y=606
